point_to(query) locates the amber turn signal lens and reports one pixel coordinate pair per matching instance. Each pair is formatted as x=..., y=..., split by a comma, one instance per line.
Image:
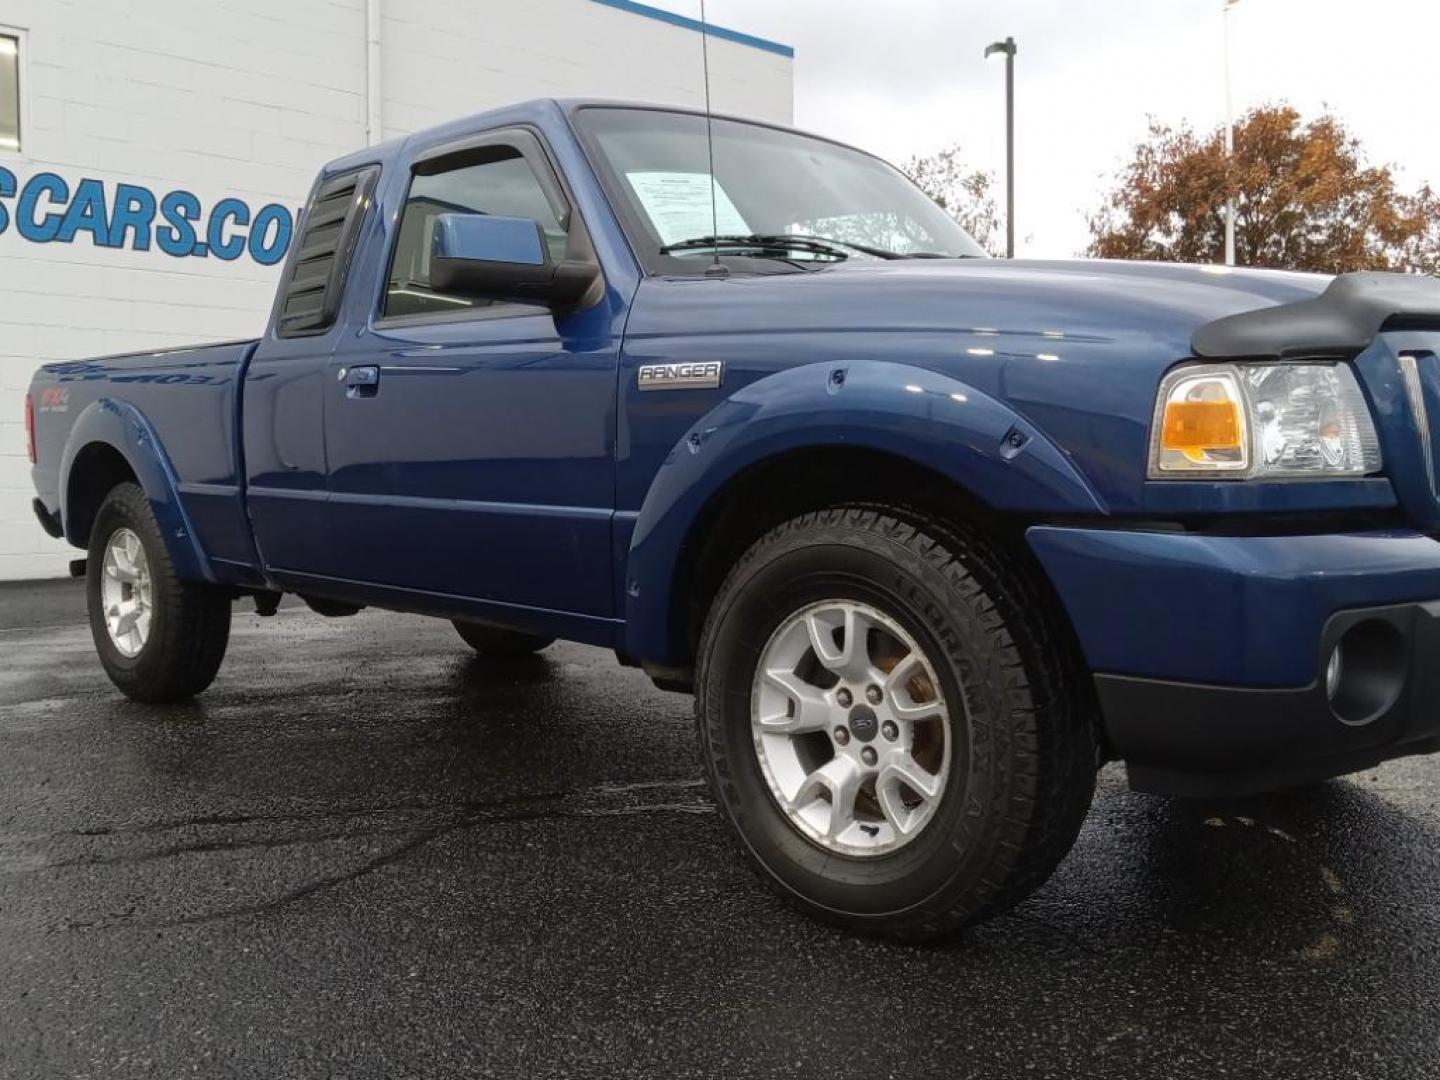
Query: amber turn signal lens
x=1201, y=425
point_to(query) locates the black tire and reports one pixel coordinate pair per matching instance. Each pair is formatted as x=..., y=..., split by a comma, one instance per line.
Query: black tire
x=1024, y=754
x=498, y=643
x=190, y=622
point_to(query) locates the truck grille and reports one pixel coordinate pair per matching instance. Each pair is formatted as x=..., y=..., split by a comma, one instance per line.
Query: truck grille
x=1420, y=373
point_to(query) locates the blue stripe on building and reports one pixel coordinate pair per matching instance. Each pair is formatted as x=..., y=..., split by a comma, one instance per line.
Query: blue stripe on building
x=710, y=28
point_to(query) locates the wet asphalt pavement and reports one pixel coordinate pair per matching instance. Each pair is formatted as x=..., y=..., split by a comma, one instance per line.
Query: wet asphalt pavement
x=364, y=853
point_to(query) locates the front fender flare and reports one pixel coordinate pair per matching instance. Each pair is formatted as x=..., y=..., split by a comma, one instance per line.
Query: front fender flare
x=125, y=429
x=924, y=416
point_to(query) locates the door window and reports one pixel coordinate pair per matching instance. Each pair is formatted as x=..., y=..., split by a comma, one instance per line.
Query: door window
x=492, y=180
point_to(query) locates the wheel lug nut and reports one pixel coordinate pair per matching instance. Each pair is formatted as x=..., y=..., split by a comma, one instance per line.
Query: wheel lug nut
x=843, y=697
x=873, y=694
x=889, y=730
x=868, y=755
x=842, y=736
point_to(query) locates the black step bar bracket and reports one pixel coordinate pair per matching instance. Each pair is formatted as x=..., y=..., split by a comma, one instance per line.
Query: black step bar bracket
x=1340, y=322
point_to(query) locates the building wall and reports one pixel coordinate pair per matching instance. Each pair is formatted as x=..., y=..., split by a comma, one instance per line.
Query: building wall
x=242, y=100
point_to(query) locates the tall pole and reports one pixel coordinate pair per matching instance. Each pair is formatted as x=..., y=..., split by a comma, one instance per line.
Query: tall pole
x=374, y=103
x=1008, y=48
x=1010, y=150
x=1229, y=145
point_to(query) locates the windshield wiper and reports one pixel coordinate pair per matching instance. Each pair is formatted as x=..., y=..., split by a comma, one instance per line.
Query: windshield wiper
x=769, y=242
x=864, y=249
x=780, y=242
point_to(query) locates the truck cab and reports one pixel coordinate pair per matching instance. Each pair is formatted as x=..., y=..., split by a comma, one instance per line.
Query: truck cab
x=929, y=536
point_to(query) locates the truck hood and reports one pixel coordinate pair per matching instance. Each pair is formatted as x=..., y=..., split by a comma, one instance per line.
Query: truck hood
x=1097, y=295
x=1076, y=347
x=1079, y=298
x=1157, y=305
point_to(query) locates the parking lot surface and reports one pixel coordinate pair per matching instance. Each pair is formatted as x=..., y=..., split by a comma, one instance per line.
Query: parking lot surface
x=364, y=853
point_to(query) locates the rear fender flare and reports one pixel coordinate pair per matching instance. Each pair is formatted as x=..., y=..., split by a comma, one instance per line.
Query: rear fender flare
x=124, y=428
x=924, y=416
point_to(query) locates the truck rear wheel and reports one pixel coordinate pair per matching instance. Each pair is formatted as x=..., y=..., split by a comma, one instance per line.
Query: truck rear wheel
x=495, y=641
x=159, y=639
x=889, y=725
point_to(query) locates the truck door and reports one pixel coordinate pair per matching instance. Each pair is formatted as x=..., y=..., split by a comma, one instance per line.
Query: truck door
x=469, y=441
x=287, y=379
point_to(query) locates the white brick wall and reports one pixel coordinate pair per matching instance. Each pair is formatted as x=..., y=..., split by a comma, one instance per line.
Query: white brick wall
x=246, y=98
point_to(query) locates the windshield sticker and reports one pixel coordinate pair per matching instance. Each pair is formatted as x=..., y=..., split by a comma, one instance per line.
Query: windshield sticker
x=678, y=205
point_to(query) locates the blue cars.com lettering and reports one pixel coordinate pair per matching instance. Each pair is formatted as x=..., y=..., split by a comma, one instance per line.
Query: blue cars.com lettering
x=46, y=208
x=34, y=225
x=181, y=210
x=7, y=189
x=223, y=243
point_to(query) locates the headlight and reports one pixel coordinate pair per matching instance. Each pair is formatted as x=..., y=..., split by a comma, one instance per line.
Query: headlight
x=1248, y=421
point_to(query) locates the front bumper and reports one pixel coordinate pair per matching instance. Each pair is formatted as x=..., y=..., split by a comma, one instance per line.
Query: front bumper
x=1210, y=652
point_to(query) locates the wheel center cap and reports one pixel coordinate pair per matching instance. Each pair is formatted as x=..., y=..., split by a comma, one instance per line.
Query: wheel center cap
x=863, y=724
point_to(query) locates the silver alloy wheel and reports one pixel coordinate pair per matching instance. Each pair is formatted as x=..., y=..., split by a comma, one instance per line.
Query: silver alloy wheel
x=125, y=592
x=851, y=728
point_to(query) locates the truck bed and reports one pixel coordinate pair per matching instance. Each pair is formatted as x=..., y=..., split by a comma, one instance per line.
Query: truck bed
x=186, y=398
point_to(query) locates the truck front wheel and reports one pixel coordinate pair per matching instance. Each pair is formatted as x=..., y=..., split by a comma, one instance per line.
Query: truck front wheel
x=159, y=639
x=888, y=724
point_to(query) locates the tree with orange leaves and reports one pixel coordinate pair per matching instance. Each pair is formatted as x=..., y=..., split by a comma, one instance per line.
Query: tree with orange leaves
x=1305, y=199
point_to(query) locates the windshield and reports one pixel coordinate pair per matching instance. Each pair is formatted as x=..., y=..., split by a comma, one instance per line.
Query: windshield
x=769, y=184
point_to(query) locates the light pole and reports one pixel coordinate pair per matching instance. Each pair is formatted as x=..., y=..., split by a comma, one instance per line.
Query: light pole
x=1229, y=144
x=1008, y=48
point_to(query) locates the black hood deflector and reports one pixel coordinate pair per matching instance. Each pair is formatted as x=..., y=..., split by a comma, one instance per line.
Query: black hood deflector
x=1342, y=321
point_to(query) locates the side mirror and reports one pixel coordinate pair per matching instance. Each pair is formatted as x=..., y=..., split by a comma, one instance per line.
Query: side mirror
x=506, y=259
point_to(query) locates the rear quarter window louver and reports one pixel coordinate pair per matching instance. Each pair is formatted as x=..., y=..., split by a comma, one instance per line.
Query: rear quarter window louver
x=315, y=279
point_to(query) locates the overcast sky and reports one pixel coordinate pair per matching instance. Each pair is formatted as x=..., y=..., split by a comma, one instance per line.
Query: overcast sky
x=900, y=77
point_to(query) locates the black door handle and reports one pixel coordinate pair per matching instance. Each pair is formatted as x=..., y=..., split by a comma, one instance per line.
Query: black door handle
x=362, y=382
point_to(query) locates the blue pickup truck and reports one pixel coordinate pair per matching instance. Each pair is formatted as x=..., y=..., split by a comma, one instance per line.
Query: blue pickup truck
x=929, y=536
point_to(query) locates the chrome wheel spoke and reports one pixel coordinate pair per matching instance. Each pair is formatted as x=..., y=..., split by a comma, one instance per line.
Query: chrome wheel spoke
x=124, y=565
x=897, y=690
x=125, y=617
x=851, y=658
x=902, y=768
x=839, y=780
x=900, y=776
x=808, y=709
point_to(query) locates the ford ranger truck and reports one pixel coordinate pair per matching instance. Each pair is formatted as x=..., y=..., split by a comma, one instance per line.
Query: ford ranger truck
x=929, y=536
